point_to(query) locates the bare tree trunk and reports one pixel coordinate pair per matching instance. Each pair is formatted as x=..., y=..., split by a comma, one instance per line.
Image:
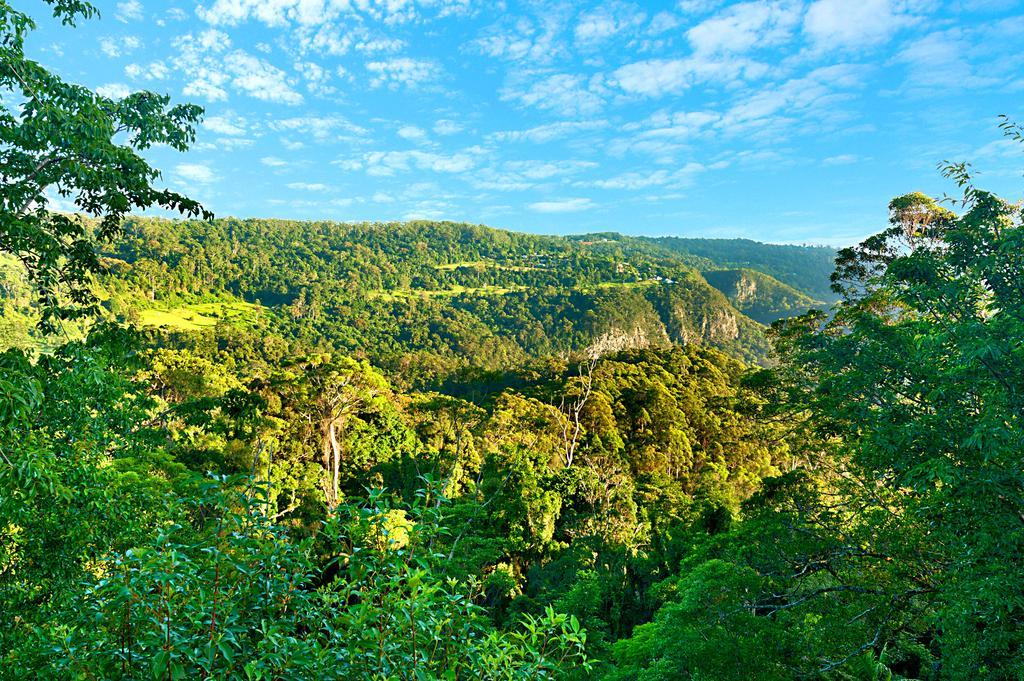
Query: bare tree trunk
x=572, y=429
x=336, y=450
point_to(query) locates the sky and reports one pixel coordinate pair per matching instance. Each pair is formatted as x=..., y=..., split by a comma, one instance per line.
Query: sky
x=791, y=121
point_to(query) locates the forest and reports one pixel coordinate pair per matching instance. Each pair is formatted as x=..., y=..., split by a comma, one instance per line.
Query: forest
x=269, y=449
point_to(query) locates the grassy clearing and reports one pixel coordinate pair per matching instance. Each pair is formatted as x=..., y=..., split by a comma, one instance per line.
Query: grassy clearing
x=483, y=264
x=423, y=294
x=200, y=315
x=605, y=285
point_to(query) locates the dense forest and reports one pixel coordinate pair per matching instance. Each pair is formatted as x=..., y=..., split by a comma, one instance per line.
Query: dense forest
x=428, y=300
x=264, y=449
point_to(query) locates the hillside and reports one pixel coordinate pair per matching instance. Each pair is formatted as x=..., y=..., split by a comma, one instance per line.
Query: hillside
x=761, y=297
x=425, y=298
x=431, y=298
x=805, y=268
x=256, y=449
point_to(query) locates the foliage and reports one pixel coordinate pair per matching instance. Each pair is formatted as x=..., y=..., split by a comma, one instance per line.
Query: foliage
x=805, y=268
x=434, y=450
x=760, y=296
x=57, y=138
x=230, y=596
x=896, y=553
x=424, y=301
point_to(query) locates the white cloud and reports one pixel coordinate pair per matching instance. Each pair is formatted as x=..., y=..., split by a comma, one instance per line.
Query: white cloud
x=562, y=206
x=224, y=144
x=840, y=160
x=195, y=172
x=680, y=124
x=327, y=39
x=428, y=210
x=260, y=79
x=446, y=127
x=114, y=90
x=941, y=60
x=526, y=39
x=278, y=13
x=663, y=21
x=549, y=131
x=274, y=162
x=606, y=21
x=115, y=47
x=274, y=13
x=523, y=175
x=564, y=93
x=412, y=133
x=319, y=128
x=854, y=24
x=308, y=186
x=657, y=77
x=209, y=69
x=781, y=104
x=747, y=25
x=317, y=78
x=131, y=10
x=670, y=179
x=227, y=124
x=663, y=134
x=697, y=6
x=542, y=170
x=389, y=163
x=379, y=45
x=197, y=60
x=154, y=71
x=402, y=71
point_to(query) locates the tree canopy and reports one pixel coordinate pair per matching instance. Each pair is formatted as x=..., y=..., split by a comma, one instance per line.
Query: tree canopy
x=439, y=451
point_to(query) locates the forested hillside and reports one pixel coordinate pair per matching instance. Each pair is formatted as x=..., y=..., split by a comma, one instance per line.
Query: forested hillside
x=426, y=300
x=268, y=450
x=804, y=268
x=760, y=296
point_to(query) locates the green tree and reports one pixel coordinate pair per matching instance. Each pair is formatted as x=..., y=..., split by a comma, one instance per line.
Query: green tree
x=58, y=139
x=896, y=551
x=919, y=374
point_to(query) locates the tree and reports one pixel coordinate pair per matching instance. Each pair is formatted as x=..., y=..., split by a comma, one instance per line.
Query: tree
x=570, y=410
x=338, y=391
x=896, y=551
x=919, y=374
x=59, y=139
x=916, y=382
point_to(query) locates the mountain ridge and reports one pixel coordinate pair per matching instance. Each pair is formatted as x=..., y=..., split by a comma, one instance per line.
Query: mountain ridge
x=435, y=295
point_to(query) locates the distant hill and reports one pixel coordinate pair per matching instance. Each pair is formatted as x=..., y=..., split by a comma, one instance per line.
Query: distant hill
x=761, y=297
x=805, y=268
x=426, y=299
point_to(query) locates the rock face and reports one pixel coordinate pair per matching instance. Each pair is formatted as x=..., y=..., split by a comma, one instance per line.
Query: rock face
x=760, y=296
x=714, y=326
x=617, y=339
x=744, y=291
x=720, y=326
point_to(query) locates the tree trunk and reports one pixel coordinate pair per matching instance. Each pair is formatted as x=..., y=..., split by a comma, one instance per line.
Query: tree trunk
x=336, y=450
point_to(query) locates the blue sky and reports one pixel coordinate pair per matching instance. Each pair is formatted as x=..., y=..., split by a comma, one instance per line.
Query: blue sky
x=777, y=120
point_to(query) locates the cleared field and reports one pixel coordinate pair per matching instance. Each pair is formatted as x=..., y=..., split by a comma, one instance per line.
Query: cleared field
x=484, y=264
x=200, y=315
x=405, y=294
